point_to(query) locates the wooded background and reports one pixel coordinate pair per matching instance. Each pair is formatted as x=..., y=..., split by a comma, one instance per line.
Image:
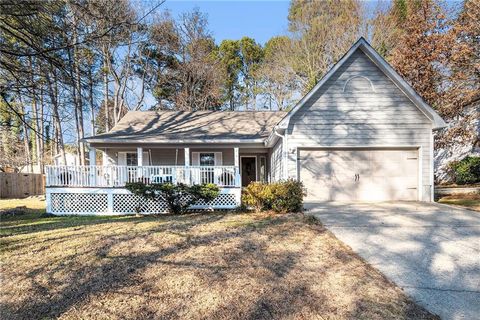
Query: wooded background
x=73, y=68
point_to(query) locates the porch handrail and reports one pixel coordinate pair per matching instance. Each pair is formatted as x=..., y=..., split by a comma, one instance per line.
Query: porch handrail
x=118, y=176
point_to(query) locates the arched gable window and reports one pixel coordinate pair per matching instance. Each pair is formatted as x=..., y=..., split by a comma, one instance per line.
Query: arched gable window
x=361, y=80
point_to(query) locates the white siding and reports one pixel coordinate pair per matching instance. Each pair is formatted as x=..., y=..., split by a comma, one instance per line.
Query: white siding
x=360, y=106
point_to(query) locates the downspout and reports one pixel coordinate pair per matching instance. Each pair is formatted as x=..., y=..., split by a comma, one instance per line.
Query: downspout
x=284, y=152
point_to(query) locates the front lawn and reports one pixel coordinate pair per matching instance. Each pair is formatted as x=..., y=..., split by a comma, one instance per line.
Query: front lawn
x=197, y=266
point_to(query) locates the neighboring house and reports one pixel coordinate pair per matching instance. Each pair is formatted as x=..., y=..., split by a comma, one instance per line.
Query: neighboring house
x=71, y=158
x=361, y=134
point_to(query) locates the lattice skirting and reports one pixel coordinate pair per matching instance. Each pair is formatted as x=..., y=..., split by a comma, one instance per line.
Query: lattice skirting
x=108, y=201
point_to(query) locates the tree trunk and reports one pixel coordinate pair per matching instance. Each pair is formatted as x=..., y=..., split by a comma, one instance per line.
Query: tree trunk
x=92, y=104
x=36, y=123
x=42, y=131
x=105, y=87
x=78, y=97
x=53, y=92
x=26, y=141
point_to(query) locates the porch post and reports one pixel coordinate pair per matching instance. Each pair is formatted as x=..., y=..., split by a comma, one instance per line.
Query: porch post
x=92, y=156
x=139, y=157
x=236, y=160
x=139, y=163
x=187, y=166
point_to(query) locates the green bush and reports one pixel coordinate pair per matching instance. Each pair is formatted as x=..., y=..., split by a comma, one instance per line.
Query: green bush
x=284, y=196
x=466, y=171
x=178, y=197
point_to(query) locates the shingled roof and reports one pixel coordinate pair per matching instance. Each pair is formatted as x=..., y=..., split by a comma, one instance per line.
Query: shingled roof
x=191, y=126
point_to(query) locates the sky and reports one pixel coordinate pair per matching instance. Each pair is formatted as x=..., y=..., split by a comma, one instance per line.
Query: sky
x=259, y=20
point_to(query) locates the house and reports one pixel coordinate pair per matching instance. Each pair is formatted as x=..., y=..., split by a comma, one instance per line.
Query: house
x=70, y=158
x=361, y=134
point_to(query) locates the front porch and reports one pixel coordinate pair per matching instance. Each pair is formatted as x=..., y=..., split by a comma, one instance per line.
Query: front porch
x=100, y=189
x=117, y=176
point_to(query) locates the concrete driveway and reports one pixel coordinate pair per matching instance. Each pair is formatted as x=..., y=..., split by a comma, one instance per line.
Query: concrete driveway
x=432, y=251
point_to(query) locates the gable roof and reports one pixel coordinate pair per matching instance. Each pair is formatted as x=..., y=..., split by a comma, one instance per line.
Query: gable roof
x=366, y=48
x=192, y=127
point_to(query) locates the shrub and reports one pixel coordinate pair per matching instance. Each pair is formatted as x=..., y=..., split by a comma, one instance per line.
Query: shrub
x=178, y=197
x=287, y=196
x=284, y=196
x=466, y=171
x=257, y=195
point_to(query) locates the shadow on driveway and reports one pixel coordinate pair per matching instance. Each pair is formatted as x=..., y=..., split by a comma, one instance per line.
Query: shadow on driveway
x=432, y=251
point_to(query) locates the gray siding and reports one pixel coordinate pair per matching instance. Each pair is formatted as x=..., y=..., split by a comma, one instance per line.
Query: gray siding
x=276, y=162
x=169, y=156
x=165, y=157
x=360, y=106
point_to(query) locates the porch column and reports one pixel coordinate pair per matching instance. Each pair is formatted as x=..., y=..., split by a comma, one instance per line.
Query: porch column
x=187, y=165
x=92, y=156
x=139, y=163
x=236, y=159
x=139, y=157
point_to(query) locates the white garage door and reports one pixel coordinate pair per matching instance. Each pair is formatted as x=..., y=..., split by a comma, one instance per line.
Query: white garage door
x=359, y=175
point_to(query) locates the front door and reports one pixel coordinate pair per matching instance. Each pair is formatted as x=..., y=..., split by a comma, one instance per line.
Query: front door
x=248, y=170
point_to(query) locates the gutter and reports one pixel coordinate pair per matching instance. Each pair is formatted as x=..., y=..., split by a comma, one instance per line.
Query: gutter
x=180, y=141
x=284, y=151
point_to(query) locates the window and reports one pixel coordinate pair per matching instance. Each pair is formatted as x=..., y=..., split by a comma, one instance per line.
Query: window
x=263, y=169
x=207, y=159
x=132, y=159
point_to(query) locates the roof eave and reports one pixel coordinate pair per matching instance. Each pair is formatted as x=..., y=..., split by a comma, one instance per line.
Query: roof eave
x=177, y=141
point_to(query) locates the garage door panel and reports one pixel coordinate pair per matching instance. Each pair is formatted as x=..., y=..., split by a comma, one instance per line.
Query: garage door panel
x=382, y=174
x=316, y=171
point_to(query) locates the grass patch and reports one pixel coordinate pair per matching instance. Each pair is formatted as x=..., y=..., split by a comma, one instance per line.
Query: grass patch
x=196, y=266
x=469, y=201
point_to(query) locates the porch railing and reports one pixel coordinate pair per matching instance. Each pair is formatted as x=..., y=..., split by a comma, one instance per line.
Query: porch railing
x=118, y=176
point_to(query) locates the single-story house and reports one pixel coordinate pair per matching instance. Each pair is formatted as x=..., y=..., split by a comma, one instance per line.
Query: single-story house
x=361, y=134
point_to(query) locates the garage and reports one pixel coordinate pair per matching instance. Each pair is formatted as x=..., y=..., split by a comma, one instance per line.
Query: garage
x=360, y=174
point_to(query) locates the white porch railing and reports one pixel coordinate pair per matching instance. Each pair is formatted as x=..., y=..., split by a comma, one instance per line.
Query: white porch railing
x=118, y=176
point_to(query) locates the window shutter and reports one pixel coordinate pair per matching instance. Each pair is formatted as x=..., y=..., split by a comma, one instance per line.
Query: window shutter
x=122, y=159
x=146, y=158
x=218, y=159
x=195, y=158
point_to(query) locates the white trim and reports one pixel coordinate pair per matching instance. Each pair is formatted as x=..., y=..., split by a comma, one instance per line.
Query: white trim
x=139, y=156
x=256, y=171
x=358, y=76
x=266, y=176
x=362, y=146
x=387, y=70
x=124, y=140
x=432, y=182
x=420, y=173
x=111, y=191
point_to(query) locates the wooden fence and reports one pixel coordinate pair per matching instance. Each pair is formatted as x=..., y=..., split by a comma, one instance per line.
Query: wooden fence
x=21, y=185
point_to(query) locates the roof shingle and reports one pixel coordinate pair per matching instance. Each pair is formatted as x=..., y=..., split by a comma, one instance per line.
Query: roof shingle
x=186, y=126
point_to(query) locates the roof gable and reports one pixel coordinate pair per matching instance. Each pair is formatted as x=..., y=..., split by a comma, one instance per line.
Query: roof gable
x=365, y=47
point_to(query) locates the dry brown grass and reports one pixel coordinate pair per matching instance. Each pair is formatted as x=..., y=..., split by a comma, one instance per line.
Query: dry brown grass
x=199, y=266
